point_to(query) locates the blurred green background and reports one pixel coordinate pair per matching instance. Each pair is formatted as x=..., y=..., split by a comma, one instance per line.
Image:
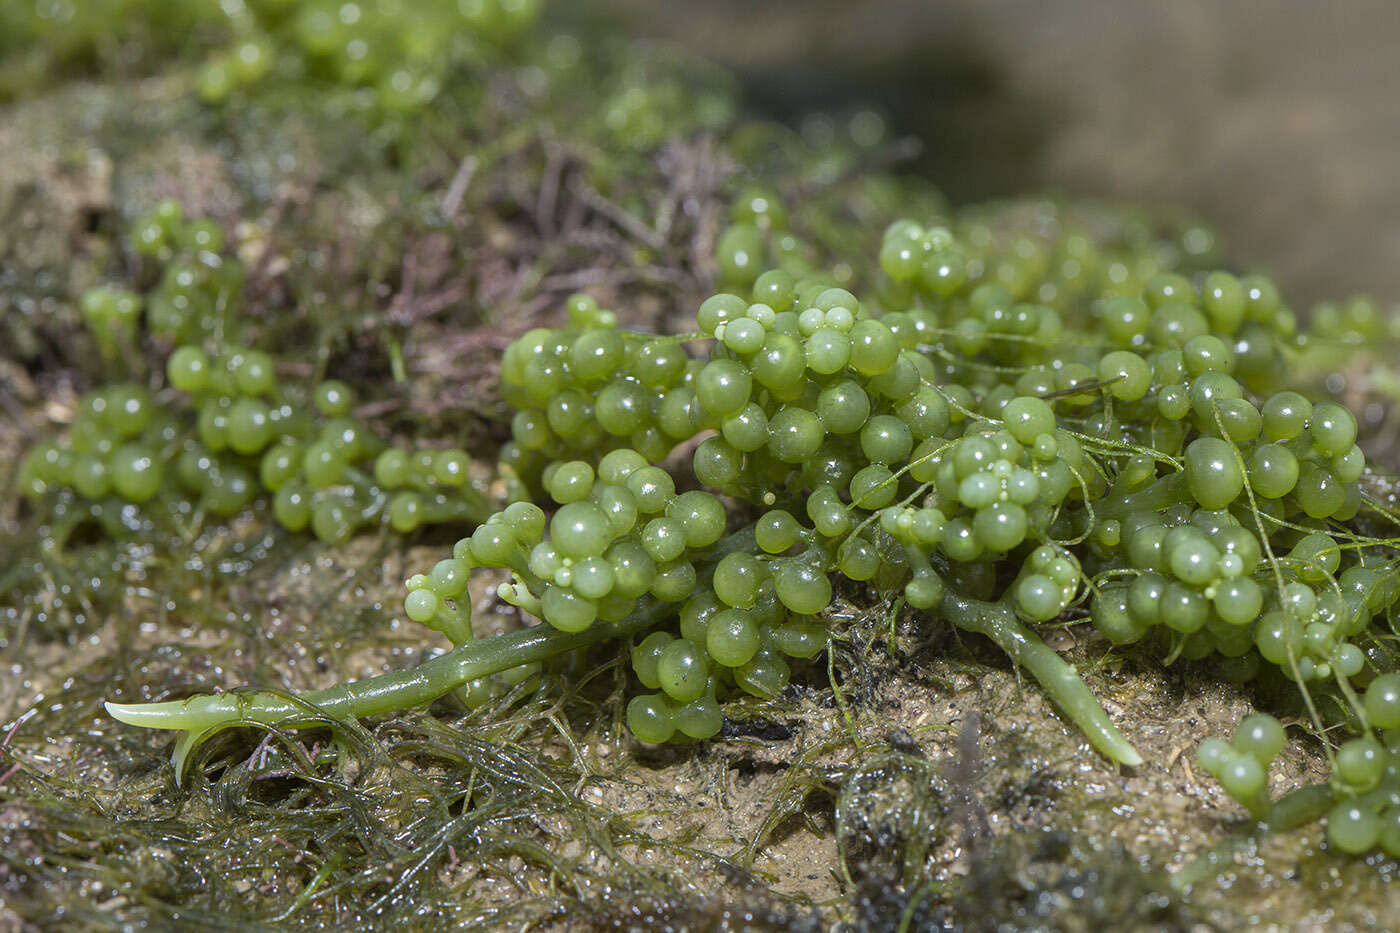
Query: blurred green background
x=1276, y=121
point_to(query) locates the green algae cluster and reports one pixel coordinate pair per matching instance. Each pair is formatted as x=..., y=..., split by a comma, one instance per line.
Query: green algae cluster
x=1001, y=417
x=400, y=52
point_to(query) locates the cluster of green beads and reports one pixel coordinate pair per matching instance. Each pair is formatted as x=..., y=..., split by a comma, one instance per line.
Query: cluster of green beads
x=621, y=534
x=1241, y=764
x=247, y=436
x=1363, y=795
x=39, y=41
x=1127, y=447
x=198, y=283
x=401, y=60
x=1040, y=259
x=1353, y=337
x=650, y=99
x=112, y=315
x=812, y=400
x=244, y=417
x=118, y=445
x=760, y=237
x=227, y=430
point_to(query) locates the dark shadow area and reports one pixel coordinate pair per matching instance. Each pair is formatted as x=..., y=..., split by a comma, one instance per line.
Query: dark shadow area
x=978, y=139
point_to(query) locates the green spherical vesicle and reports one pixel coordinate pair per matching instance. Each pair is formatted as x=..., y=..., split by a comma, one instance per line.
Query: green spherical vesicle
x=1353, y=828
x=1222, y=298
x=747, y=430
x=1261, y=736
x=1285, y=415
x=280, y=464
x=1242, y=777
x=451, y=466
x=1390, y=832
x=652, y=487
x=732, y=637
x=580, y=529
x=650, y=719
x=92, y=477
x=683, y=669
x=323, y=465
x=827, y=351
x=1273, y=471
x=1382, y=701
x=843, y=407
x=1238, y=601
x=780, y=364
x=617, y=465
x=567, y=611
x=136, y=472
x=1028, y=418
x=1318, y=492
x=737, y=578
x=333, y=398
x=128, y=411
x=1214, y=754
x=622, y=408
x=392, y=469
x=664, y=539
x=718, y=308
x=659, y=363
x=874, y=487
x=765, y=676
x=255, y=373
x=801, y=586
x=633, y=568
x=422, y=606
x=776, y=531
x=1127, y=374
x=448, y=578
x=794, y=434
x=701, y=515
x=332, y=520
x=248, y=428
x=1184, y=609
x=1194, y=560
x=925, y=590
x=700, y=719
x=291, y=506
x=886, y=439
x=188, y=369
x=1038, y=597
x=1207, y=353
x=1111, y=616
x=593, y=578
x=1212, y=472
x=717, y=462
x=1001, y=526
x=874, y=348
x=1360, y=764
x=646, y=658
x=696, y=614
x=800, y=638
x=405, y=511
x=495, y=544
x=774, y=288
x=673, y=582
x=1333, y=428
x=596, y=355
